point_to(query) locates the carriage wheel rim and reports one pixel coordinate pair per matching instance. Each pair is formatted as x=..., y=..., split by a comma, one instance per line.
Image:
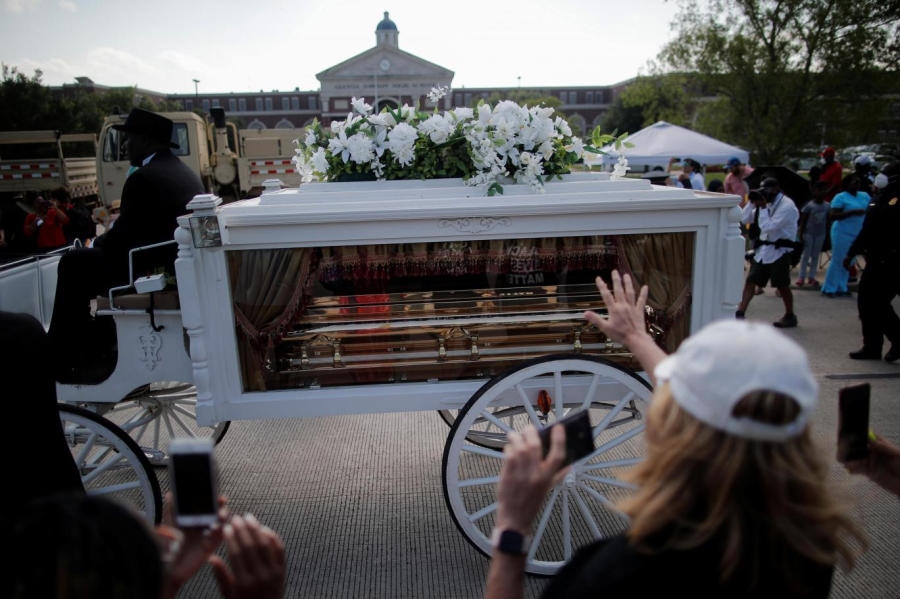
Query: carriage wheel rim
x=107, y=450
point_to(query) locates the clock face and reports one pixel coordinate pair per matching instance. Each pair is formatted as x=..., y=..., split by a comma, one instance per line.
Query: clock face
x=385, y=64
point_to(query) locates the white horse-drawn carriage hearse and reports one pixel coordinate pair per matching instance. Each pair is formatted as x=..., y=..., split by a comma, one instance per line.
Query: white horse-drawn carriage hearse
x=390, y=296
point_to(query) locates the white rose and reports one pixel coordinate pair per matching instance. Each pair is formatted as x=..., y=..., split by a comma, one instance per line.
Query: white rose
x=402, y=135
x=310, y=139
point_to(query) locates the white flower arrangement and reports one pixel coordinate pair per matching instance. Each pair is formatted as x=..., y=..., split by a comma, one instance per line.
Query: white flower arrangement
x=483, y=146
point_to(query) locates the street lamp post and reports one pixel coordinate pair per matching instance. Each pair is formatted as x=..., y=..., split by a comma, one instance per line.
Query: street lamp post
x=196, y=93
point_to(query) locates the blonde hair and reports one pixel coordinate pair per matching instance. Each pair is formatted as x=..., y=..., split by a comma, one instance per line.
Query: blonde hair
x=768, y=504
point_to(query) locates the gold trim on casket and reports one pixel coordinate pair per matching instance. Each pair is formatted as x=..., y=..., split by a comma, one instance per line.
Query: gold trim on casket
x=436, y=335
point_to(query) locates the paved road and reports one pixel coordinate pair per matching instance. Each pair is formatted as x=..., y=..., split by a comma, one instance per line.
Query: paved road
x=359, y=503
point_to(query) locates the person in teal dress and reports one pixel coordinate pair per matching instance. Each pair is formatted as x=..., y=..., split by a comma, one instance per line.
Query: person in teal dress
x=848, y=210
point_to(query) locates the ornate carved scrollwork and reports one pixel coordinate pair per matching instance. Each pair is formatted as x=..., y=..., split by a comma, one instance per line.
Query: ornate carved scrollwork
x=474, y=224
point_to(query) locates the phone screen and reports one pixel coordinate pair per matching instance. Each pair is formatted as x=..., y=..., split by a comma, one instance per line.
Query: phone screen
x=193, y=481
x=853, y=423
x=579, y=437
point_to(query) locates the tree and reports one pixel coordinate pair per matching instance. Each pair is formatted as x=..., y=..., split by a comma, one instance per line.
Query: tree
x=620, y=117
x=787, y=69
x=660, y=97
x=24, y=101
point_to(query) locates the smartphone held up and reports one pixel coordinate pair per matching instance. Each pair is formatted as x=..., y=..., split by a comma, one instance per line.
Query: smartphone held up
x=192, y=471
x=579, y=437
x=853, y=423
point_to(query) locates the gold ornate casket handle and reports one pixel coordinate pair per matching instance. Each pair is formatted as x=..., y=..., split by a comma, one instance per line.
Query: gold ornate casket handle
x=338, y=363
x=577, y=347
x=304, y=358
x=442, y=349
x=473, y=349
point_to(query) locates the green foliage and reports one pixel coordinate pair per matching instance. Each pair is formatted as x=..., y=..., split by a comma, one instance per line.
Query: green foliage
x=24, y=101
x=27, y=104
x=661, y=97
x=627, y=118
x=789, y=73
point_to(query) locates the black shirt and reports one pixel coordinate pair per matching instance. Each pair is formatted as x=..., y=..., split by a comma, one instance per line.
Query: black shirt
x=878, y=240
x=613, y=568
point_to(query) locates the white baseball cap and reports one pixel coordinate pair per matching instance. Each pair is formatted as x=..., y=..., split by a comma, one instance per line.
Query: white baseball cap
x=863, y=159
x=723, y=362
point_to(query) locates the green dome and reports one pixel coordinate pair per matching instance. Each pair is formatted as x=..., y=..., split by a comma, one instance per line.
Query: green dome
x=386, y=24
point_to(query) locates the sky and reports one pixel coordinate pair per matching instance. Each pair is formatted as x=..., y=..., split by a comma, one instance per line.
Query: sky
x=240, y=45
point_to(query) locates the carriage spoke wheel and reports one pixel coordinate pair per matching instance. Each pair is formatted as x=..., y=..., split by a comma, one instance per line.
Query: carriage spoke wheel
x=580, y=508
x=162, y=412
x=111, y=463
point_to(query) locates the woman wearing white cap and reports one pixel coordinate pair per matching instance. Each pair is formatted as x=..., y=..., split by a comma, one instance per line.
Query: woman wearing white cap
x=732, y=499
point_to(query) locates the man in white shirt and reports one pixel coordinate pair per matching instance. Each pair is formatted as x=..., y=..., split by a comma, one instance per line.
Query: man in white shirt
x=693, y=174
x=778, y=218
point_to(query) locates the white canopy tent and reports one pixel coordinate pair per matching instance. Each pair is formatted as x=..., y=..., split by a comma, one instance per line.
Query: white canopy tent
x=657, y=144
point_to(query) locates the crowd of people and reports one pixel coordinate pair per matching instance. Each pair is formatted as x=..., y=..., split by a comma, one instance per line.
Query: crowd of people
x=733, y=492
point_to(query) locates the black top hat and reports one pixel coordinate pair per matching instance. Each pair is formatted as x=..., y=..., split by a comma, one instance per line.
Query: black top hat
x=150, y=125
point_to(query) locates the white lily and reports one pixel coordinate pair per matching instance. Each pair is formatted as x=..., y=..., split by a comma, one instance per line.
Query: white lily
x=338, y=145
x=360, y=106
x=437, y=93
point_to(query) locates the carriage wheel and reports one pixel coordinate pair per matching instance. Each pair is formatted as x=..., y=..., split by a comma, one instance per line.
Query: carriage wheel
x=162, y=412
x=580, y=508
x=110, y=462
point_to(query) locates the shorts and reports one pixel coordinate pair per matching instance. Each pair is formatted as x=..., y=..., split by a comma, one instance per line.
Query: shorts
x=779, y=271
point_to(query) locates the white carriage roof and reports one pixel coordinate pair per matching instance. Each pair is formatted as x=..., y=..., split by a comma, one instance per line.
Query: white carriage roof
x=450, y=198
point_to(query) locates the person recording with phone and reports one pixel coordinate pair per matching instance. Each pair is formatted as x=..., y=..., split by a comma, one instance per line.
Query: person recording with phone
x=733, y=492
x=771, y=259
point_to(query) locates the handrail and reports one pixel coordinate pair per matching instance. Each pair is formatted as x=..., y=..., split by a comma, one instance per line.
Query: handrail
x=131, y=254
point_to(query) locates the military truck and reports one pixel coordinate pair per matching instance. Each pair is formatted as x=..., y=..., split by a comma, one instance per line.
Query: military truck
x=231, y=173
x=37, y=161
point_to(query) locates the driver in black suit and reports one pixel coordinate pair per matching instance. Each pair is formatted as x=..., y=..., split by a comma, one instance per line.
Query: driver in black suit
x=155, y=195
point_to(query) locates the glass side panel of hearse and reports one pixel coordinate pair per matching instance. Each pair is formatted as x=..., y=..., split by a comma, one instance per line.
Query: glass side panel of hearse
x=441, y=311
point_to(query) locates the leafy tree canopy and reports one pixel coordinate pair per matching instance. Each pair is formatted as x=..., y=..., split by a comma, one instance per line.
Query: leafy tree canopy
x=787, y=73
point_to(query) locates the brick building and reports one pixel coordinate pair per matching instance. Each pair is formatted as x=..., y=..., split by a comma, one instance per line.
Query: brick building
x=386, y=76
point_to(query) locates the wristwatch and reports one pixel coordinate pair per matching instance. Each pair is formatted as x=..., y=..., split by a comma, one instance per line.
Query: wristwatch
x=510, y=541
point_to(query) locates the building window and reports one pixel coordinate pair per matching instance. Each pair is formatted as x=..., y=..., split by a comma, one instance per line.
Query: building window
x=589, y=98
x=259, y=105
x=257, y=124
x=205, y=105
x=599, y=97
x=341, y=105
x=268, y=103
x=285, y=103
x=468, y=99
x=215, y=103
x=189, y=104
x=564, y=97
x=242, y=105
x=573, y=97
x=313, y=103
x=457, y=99
x=232, y=105
x=295, y=103
x=284, y=124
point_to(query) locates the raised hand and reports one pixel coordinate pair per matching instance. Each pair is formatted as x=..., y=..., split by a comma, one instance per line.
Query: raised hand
x=625, y=312
x=624, y=322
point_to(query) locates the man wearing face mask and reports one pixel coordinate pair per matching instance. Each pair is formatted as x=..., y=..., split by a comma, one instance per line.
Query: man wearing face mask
x=879, y=242
x=778, y=216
